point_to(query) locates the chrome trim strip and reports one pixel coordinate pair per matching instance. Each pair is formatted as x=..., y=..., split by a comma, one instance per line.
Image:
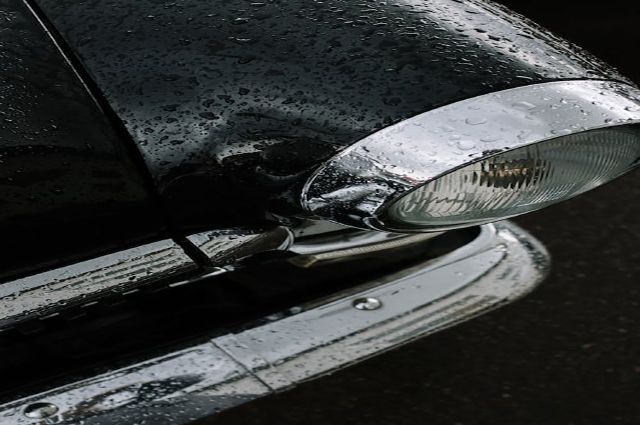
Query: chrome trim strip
x=43, y=293
x=226, y=246
x=502, y=264
x=347, y=245
x=346, y=240
x=357, y=185
x=308, y=228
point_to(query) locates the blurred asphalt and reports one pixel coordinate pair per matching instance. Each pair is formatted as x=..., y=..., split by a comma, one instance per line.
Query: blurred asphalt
x=569, y=354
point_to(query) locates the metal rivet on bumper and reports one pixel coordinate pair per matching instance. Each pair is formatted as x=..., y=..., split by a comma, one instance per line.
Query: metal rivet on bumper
x=40, y=410
x=367, y=303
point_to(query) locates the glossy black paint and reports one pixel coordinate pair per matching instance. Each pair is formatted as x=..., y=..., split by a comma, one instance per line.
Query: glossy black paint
x=68, y=189
x=566, y=354
x=232, y=103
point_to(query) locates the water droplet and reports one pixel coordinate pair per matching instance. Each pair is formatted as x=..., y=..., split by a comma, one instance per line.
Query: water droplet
x=240, y=21
x=475, y=121
x=40, y=410
x=525, y=106
x=561, y=132
x=208, y=115
x=490, y=139
x=465, y=145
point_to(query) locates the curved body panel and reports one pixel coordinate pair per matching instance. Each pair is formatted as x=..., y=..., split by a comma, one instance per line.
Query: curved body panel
x=234, y=103
x=69, y=189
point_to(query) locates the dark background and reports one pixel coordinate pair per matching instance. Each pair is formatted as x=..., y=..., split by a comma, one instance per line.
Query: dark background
x=568, y=354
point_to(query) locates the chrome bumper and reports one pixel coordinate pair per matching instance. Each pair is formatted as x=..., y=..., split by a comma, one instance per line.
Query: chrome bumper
x=501, y=265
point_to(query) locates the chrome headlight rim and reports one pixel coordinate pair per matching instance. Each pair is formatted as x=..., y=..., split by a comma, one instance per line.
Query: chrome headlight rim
x=358, y=186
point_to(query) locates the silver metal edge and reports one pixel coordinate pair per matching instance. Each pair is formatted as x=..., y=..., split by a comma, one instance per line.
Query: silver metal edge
x=48, y=293
x=352, y=245
x=341, y=241
x=358, y=184
x=502, y=264
x=223, y=247
x=43, y=293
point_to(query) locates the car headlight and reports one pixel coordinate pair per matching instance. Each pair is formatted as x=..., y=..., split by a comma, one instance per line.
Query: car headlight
x=482, y=159
x=518, y=181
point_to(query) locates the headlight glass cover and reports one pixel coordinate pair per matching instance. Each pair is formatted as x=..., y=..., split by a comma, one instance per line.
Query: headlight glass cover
x=519, y=181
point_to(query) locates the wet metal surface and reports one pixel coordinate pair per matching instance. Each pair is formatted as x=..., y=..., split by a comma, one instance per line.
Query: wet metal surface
x=224, y=247
x=45, y=293
x=70, y=188
x=360, y=183
x=565, y=354
x=568, y=354
x=499, y=266
x=233, y=103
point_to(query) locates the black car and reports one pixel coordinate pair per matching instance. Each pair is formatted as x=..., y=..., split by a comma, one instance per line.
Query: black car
x=207, y=203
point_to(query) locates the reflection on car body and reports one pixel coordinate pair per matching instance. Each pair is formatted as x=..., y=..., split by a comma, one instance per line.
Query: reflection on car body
x=210, y=203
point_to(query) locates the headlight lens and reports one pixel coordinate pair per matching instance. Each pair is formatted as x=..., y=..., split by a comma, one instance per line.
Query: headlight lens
x=518, y=181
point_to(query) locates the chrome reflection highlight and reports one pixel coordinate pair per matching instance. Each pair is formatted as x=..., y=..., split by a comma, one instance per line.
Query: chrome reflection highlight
x=79, y=284
x=519, y=181
x=359, y=185
x=501, y=265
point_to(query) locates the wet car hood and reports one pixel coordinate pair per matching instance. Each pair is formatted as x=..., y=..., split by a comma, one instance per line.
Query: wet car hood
x=232, y=104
